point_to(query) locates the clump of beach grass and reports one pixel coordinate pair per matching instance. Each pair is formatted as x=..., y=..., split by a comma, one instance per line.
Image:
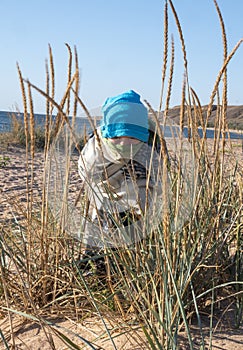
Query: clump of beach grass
x=164, y=282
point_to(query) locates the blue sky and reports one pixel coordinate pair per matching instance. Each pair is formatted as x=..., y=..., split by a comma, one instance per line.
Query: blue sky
x=120, y=47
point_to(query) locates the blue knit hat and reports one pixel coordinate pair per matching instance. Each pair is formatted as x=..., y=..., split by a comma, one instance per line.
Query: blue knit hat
x=125, y=115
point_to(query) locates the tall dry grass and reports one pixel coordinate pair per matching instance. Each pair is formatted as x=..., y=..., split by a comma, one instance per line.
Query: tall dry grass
x=168, y=280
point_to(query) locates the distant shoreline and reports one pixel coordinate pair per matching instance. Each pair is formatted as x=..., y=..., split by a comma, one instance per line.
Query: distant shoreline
x=84, y=124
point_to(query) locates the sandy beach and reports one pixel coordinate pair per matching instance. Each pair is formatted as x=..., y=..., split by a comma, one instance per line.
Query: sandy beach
x=13, y=178
x=14, y=185
x=13, y=182
x=13, y=201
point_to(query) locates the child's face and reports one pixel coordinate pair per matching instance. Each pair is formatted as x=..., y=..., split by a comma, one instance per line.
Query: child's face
x=124, y=140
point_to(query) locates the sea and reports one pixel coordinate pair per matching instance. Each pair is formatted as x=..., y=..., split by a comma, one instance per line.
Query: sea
x=83, y=125
x=6, y=121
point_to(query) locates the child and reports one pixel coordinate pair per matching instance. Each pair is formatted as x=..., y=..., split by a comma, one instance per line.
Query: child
x=120, y=172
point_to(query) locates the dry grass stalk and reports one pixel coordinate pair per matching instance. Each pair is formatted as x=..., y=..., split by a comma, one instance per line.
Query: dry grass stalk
x=77, y=86
x=215, y=90
x=52, y=70
x=199, y=110
x=217, y=124
x=50, y=79
x=165, y=55
x=45, y=245
x=183, y=46
x=196, y=122
x=182, y=107
x=32, y=124
x=26, y=129
x=48, y=116
x=62, y=118
x=218, y=79
x=44, y=248
x=69, y=77
x=50, y=91
x=168, y=95
x=224, y=98
x=159, y=131
x=32, y=149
